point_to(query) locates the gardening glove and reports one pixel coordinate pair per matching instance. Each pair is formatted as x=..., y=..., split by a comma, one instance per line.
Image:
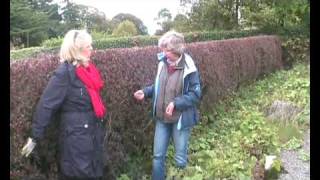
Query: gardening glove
x=28, y=147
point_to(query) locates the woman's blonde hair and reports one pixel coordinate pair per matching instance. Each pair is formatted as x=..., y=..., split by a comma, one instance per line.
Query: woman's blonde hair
x=172, y=41
x=73, y=43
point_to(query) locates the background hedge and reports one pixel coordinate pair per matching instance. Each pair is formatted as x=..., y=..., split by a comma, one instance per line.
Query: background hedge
x=223, y=65
x=52, y=45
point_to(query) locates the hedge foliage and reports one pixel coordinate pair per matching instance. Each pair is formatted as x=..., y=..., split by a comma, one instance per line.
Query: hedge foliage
x=127, y=42
x=52, y=45
x=31, y=52
x=296, y=49
x=223, y=65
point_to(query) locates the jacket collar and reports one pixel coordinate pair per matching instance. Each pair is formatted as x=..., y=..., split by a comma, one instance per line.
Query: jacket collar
x=189, y=66
x=71, y=71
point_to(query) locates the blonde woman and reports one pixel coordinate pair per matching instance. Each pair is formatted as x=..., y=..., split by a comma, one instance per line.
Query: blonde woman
x=74, y=90
x=175, y=94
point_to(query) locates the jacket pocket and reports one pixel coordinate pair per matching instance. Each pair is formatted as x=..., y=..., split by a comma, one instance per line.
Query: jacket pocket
x=78, y=147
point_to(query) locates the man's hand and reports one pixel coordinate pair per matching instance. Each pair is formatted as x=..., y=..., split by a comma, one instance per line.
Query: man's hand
x=169, y=109
x=139, y=95
x=28, y=147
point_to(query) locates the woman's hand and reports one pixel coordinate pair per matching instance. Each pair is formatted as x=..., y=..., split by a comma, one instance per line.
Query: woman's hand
x=139, y=95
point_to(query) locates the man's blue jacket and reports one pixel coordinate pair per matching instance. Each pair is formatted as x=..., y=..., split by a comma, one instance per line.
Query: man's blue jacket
x=191, y=93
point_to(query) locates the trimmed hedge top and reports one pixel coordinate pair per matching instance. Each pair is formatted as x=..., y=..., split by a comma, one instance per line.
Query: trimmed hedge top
x=53, y=45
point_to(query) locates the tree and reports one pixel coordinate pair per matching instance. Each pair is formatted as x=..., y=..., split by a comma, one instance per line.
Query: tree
x=32, y=21
x=141, y=28
x=181, y=23
x=71, y=16
x=214, y=14
x=54, y=18
x=234, y=14
x=164, y=21
x=125, y=28
x=276, y=14
x=28, y=26
x=96, y=20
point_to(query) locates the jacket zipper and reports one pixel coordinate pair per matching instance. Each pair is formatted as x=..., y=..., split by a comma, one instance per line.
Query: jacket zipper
x=164, y=95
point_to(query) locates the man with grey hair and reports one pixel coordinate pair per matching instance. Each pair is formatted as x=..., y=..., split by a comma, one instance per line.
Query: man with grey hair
x=175, y=93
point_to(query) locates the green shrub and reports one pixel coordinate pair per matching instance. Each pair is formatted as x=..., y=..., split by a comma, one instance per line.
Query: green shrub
x=26, y=52
x=31, y=52
x=100, y=35
x=219, y=35
x=125, y=28
x=287, y=132
x=296, y=49
x=125, y=42
x=52, y=43
x=105, y=41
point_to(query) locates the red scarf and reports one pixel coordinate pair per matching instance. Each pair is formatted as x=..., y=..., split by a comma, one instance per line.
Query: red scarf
x=171, y=69
x=90, y=76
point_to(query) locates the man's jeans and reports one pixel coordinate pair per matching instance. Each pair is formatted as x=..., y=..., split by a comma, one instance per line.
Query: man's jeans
x=163, y=134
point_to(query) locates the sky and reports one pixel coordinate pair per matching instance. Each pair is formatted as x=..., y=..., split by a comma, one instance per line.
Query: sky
x=145, y=10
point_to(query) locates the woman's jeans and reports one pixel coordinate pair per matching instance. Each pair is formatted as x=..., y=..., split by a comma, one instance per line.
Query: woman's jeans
x=163, y=134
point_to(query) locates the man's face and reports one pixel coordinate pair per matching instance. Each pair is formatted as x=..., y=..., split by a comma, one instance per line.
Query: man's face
x=170, y=54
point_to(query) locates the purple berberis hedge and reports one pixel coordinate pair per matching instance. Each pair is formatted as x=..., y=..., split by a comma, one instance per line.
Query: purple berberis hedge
x=223, y=66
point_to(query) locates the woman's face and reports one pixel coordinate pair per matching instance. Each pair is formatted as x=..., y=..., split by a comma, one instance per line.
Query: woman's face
x=87, y=50
x=170, y=54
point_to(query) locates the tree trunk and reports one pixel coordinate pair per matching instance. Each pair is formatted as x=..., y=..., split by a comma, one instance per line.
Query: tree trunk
x=237, y=11
x=27, y=39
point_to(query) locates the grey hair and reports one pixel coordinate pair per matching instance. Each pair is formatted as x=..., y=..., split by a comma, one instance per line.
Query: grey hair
x=172, y=41
x=73, y=43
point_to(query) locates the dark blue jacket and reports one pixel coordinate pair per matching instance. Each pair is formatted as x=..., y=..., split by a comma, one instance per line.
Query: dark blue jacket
x=81, y=133
x=191, y=93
